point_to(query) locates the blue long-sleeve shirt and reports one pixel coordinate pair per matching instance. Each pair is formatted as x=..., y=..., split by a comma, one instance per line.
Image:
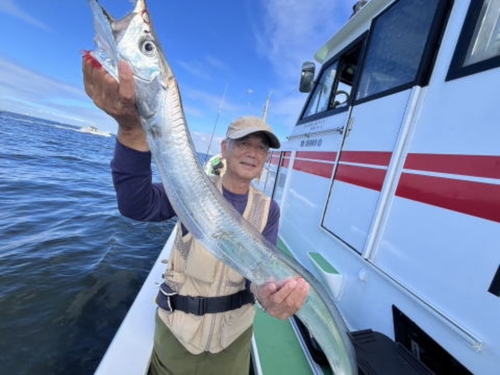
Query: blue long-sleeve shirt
x=141, y=199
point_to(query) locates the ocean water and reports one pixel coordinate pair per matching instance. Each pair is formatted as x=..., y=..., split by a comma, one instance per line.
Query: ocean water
x=70, y=265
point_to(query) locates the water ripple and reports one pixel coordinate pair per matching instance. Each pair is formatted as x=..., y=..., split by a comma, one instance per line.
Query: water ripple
x=70, y=264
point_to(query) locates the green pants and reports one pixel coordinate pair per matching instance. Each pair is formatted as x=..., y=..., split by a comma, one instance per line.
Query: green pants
x=171, y=358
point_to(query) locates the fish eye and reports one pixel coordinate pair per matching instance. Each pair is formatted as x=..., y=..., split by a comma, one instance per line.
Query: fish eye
x=148, y=48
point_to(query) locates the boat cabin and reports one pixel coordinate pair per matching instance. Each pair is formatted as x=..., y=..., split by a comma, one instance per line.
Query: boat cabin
x=391, y=177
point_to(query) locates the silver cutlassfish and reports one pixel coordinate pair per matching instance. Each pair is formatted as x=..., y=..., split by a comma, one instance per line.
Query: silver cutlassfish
x=198, y=204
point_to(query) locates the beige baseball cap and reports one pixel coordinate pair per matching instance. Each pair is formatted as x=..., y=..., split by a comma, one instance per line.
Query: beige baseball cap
x=244, y=126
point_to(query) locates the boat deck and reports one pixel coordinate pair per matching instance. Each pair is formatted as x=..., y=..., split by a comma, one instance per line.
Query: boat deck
x=277, y=348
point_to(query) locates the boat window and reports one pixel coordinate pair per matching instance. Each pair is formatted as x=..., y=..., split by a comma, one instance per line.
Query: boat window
x=478, y=48
x=319, y=100
x=347, y=71
x=333, y=90
x=485, y=42
x=396, y=47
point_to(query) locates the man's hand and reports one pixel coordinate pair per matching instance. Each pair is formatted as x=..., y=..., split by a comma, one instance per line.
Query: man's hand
x=282, y=299
x=116, y=99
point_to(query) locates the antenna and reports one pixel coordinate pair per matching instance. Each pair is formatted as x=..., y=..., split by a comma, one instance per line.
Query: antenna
x=216, y=121
x=266, y=107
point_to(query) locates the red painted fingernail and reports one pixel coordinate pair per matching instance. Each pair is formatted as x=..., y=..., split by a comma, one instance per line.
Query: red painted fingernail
x=88, y=57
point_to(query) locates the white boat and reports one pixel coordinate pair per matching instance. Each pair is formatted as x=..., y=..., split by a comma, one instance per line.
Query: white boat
x=389, y=187
x=92, y=129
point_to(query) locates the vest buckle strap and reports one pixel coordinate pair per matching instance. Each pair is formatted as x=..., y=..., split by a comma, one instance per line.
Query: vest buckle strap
x=163, y=299
x=169, y=300
x=194, y=305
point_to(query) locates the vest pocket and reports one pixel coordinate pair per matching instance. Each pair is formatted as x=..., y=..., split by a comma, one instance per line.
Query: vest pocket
x=174, y=279
x=235, y=282
x=235, y=323
x=200, y=264
x=188, y=329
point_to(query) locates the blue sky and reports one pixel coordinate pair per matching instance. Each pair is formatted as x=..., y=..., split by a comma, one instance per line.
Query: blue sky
x=248, y=48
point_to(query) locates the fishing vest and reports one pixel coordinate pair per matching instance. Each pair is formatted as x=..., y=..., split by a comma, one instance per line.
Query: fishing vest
x=193, y=271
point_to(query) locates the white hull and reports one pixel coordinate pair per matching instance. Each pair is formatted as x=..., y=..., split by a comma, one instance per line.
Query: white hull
x=398, y=189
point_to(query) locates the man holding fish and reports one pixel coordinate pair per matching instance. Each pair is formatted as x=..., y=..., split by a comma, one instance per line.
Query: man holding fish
x=205, y=314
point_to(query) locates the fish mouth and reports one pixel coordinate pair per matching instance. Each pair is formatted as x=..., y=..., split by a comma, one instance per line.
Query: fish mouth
x=140, y=7
x=111, y=33
x=111, y=27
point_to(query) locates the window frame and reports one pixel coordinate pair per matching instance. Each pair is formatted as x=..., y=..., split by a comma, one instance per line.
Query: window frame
x=428, y=56
x=312, y=97
x=424, y=70
x=359, y=42
x=457, y=68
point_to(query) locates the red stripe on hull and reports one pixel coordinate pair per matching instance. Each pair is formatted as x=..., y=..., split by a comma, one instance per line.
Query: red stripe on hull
x=468, y=197
x=472, y=198
x=366, y=157
x=465, y=165
x=318, y=169
x=366, y=177
x=275, y=158
x=316, y=155
x=286, y=159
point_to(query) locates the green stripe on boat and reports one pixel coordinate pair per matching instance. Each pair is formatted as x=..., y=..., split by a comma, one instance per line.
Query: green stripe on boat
x=322, y=262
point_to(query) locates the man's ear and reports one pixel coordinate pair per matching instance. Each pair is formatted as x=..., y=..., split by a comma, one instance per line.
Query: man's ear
x=223, y=147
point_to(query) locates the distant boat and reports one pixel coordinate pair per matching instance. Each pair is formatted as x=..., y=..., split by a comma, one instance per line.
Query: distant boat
x=92, y=129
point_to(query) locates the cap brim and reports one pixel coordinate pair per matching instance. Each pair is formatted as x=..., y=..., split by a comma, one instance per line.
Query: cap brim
x=274, y=142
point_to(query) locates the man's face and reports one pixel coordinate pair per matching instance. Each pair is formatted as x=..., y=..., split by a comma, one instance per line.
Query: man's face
x=246, y=156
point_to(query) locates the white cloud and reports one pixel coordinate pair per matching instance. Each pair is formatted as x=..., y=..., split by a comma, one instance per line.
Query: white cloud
x=205, y=144
x=34, y=94
x=290, y=33
x=200, y=68
x=29, y=92
x=216, y=63
x=12, y=9
x=195, y=68
x=285, y=112
x=294, y=30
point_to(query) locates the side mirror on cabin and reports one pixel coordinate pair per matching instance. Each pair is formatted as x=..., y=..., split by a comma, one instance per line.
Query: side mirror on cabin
x=307, y=76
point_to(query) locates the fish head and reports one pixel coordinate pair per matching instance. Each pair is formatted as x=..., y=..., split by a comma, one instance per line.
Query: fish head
x=131, y=38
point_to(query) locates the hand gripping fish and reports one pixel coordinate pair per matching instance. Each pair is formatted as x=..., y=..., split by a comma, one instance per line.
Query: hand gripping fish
x=198, y=204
